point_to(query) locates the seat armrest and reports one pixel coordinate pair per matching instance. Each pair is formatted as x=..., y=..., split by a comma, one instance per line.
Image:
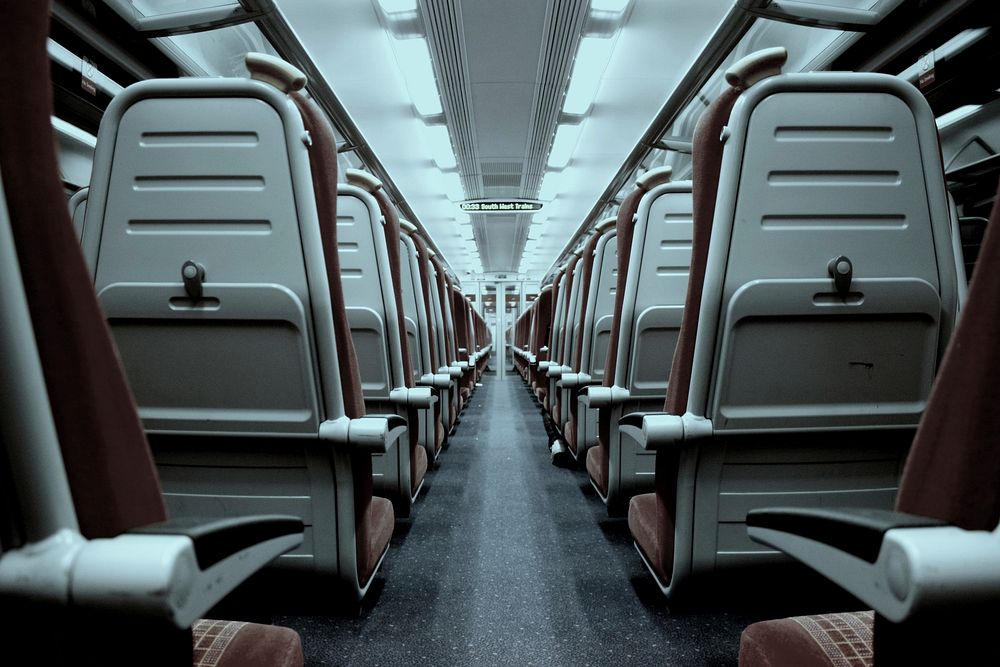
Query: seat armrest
x=372, y=433
x=435, y=380
x=173, y=571
x=461, y=366
x=543, y=366
x=421, y=398
x=574, y=380
x=898, y=564
x=452, y=371
x=556, y=370
x=543, y=349
x=653, y=430
x=596, y=397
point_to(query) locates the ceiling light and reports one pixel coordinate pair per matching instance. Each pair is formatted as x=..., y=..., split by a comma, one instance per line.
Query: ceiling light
x=451, y=187
x=439, y=145
x=551, y=186
x=414, y=62
x=396, y=6
x=591, y=60
x=563, y=145
x=600, y=5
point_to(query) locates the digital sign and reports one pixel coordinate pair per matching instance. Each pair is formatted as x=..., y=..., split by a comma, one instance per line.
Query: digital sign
x=500, y=206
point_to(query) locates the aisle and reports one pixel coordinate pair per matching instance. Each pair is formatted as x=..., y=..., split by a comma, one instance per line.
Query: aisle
x=511, y=561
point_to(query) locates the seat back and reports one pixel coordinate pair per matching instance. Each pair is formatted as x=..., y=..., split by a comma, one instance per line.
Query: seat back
x=594, y=342
x=654, y=289
x=211, y=236
x=863, y=353
x=78, y=210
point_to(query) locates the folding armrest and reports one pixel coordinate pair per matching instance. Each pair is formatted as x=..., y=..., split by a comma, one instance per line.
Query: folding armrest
x=543, y=366
x=173, y=571
x=653, y=430
x=898, y=564
x=420, y=398
x=556, y=371
x=435, y=380
x=452, y=371
x=460, y=365
x=574, y=380
x=603, y=397
x=372, y=433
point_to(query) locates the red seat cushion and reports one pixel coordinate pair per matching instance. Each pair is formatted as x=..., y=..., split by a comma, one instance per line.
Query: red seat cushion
x=825, y=640
x=233, y=644
x=597, y=467
x=642, y=521
x=418, y=468
x=378, y=522
x=569, y=430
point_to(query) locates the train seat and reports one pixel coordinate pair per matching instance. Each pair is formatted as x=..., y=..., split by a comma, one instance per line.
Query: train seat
x=552, y=339
x=823, y=291
x=211, y=237
x=950, y=483
x=538, y=348
x=590, y=339
x=653, y=239
x=420, y=334
x=368, y=238
x=562, y=338
x=77, y=468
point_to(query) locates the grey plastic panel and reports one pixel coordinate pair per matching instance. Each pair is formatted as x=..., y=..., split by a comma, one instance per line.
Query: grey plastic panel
x=211, y=193
x=358, y=233
x=602, y=305
x=655, y=290
x=819, y=182
x=78, y=210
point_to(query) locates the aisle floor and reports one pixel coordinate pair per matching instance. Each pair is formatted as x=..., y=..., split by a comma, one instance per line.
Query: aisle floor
x=509, y=560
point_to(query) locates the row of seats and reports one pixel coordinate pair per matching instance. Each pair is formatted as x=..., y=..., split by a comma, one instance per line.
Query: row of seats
x=769, y=331
x=295, y=357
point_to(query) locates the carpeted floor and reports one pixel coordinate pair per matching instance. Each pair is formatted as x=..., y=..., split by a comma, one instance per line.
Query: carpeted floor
x=509, y=560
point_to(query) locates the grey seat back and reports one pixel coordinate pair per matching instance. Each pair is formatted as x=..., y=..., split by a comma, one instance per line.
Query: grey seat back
x=600, y=307
x=819, y=168
x=78, y=210
x=369, y=292
x=655, y=290
x=418, y=329
x=248, y=217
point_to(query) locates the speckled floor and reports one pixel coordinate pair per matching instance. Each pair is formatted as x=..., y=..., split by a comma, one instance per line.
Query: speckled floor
x=509, y=560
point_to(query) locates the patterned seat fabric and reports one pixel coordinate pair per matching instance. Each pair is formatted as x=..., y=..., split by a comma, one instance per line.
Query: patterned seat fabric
x=827, y=640
x=233, y=643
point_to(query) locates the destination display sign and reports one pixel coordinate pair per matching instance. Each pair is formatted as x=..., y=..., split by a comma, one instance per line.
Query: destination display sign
x=500, y=206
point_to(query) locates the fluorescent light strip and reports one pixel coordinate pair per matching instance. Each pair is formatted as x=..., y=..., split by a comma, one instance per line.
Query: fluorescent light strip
x=588, y=68
x=396, y=6
x=563, y=145
x=414, y=60
x=604, y=5
x=439, y=144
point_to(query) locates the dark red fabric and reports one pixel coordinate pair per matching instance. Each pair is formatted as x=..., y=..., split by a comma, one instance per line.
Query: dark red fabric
x=643, y=522
x=780, y=643
x=111, y=473
x=588, y=269
x=597, y=467
x=954, y=464
x=624, y=225
x=540, y=324
x=391, y=231
x=565, y=354
x=323, y=165
x=706, y=163
x=425, y=286
x=369, y=511
x=253, y=644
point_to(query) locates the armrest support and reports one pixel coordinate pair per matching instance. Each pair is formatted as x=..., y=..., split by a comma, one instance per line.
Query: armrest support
x=372, y=433
x=896, y=563
x=574, y=380
x=595, y=397
x=556, y=371
x=420, y=398
x=173, y=571
x=653, y=430
x=435, y=380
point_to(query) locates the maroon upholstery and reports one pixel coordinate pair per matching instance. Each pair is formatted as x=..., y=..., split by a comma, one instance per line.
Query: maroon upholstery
x=828, y=640
x=372, y=521
x=597, y=467
x=624, y=225
x=110, y=470
x=107, y=460
x=390, y=229
x=540, y=324
x=423, y=259
x=576, y=354
x=564, y=353
x=706, y=165
x=954, y=464
x=235, y=644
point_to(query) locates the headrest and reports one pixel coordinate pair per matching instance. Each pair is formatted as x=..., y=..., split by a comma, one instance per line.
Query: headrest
x=275, y=71
x=605, y=225
x=407, y=227
x=758, y=65
x=654, y=177
x=363, y=180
